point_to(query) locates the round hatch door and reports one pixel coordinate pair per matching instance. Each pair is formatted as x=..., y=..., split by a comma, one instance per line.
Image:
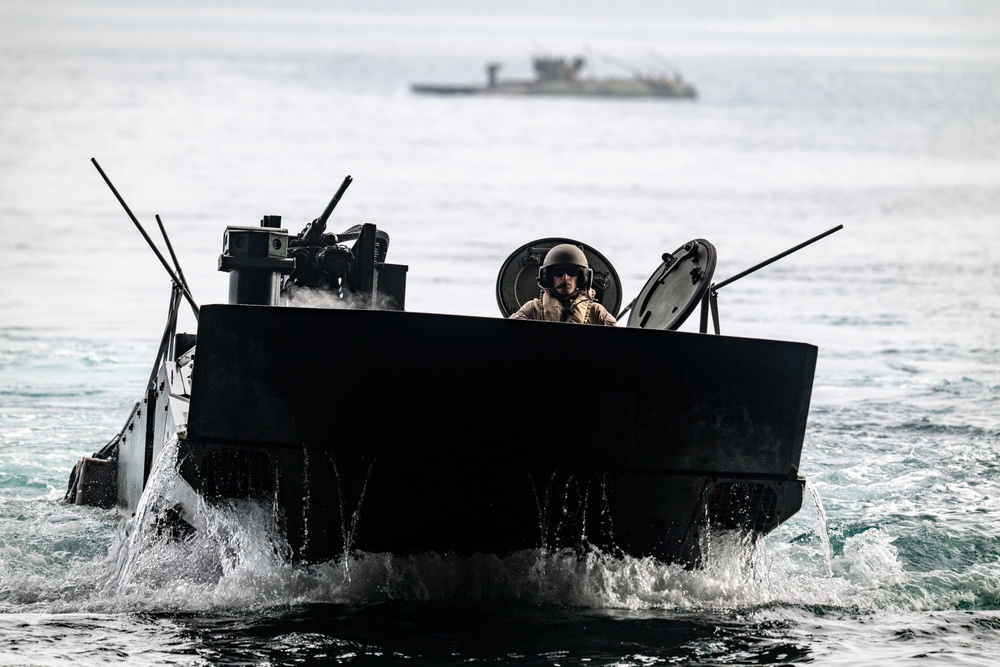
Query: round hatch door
x=517, y=282
x=675, y=288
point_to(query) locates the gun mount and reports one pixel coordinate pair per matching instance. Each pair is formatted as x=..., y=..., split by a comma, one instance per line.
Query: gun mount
x=266, y=266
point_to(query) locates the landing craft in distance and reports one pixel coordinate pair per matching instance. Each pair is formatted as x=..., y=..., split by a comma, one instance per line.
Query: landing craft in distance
x=558, y=76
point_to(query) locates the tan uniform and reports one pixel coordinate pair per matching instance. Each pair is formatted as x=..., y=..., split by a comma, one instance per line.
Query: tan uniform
x=580, y=308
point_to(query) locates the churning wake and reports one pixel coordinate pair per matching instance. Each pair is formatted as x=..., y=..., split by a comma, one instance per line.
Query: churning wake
x=237, y=561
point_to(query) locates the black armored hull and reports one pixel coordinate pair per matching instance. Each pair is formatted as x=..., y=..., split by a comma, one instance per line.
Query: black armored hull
x=387, y=431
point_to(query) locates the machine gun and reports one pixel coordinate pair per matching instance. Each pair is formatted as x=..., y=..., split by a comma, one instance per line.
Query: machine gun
x=322, y=260
x=312, y=234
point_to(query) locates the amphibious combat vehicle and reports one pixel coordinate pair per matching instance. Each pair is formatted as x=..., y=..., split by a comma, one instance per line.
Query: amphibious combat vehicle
x=367, y=427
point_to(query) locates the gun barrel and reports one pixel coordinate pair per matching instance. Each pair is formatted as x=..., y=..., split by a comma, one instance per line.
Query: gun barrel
x=333, y=202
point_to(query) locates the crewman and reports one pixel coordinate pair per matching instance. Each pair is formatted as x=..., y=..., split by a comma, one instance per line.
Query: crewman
x=565, y=278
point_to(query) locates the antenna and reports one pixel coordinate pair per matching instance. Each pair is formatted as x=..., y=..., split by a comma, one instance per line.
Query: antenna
x=711, y=299
x=177, y=280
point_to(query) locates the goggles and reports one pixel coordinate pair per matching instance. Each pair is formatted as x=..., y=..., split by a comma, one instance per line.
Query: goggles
x=560, y=271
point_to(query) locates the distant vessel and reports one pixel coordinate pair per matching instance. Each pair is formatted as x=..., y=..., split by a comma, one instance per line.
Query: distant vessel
x=562, y=76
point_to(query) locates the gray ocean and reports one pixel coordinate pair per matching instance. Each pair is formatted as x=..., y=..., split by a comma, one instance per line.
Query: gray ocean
x=882, y=117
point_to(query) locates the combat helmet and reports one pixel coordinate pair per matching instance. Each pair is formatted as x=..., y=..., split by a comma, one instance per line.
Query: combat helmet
x=562, y=256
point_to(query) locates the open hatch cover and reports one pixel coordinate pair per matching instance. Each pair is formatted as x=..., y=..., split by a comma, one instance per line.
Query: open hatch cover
x=675, y=288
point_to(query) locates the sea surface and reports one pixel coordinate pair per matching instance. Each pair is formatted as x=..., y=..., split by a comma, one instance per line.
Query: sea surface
x=215, y=114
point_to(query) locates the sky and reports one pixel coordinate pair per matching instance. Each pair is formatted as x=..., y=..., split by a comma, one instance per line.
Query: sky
x=681, y=9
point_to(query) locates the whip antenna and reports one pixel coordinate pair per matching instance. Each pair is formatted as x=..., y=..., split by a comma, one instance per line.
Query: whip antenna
x=173, y=276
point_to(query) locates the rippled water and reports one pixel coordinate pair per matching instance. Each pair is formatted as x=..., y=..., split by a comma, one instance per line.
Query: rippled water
x=212, y=117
